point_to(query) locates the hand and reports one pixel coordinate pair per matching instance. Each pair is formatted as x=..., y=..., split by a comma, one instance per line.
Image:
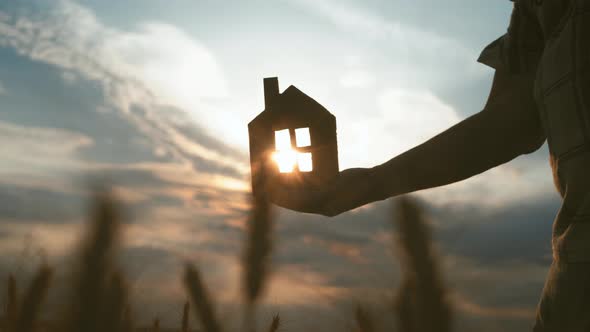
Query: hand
x=350, y=189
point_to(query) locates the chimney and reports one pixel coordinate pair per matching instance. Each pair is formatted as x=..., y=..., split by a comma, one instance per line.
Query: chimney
x=271, y=91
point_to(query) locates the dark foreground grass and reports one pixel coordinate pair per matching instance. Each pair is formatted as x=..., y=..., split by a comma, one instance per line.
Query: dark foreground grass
x=98, y=298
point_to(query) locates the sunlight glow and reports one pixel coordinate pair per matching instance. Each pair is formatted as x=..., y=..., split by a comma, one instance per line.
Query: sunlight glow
x=286, y=160
x=285, y=157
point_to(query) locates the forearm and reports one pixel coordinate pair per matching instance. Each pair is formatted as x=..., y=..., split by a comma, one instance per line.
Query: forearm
x=480, y=142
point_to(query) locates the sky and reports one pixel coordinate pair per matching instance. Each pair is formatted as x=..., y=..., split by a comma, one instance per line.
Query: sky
x=155, y=96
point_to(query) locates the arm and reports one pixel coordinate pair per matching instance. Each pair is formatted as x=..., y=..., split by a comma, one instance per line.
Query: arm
x=508, y=126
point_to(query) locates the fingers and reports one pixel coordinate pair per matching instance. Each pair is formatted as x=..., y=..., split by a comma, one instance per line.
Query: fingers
x=308, y=201
x=339, y=202
x=330, y=201
x=348, y=191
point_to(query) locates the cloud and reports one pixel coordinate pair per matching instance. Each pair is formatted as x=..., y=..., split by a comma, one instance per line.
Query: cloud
x=351, y=252
x=39, y=140
x=412, y=117
x=466, y=306
x=348, y=16
x=69, y=77
x=496, y=297
x=166, y=60
x=517, y=232
x=403, y=119
x=47, y=149
x=357, y=79
x=412, y=46
x=3, y=90
x=177, y=68
x=40, y=239
x=51, y=207
x=138, y=85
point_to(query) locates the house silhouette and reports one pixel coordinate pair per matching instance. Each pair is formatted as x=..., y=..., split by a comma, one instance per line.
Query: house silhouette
x=309, y=130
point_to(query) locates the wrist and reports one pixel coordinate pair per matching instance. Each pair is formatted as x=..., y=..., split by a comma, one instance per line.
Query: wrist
x=378, y=184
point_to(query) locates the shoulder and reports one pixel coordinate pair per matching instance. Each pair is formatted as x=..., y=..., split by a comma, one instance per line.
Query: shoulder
x=519, y=49
x=514, y=89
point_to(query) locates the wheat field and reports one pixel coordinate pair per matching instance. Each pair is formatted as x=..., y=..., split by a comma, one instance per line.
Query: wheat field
x=98, y=298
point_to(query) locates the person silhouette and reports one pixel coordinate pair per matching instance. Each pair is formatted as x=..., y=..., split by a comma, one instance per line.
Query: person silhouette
x=540, y=91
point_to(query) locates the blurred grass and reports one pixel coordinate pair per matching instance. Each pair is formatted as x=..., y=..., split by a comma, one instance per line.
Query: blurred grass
x=422, y=293
x=98, y=298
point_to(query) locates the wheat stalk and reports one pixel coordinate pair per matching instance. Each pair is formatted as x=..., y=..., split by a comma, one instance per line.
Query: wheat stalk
x=423, y=294
x=404, y=307
x=201, y=301
x=11, y=308
x=156, y=325
x=258, y=248
x=256, y=256
x=185, y=316
x=275, y=323
x=32, y=300
x=90, y=304
x=363, y=320
x=115, y=314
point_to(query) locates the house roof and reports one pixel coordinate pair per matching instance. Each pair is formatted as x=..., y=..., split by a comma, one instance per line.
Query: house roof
x=294, y=95
x=294, y=100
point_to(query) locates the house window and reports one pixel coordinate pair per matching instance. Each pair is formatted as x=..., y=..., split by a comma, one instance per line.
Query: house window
x=302, y=137
x=287, y=157
x=282, y=140
x=304, y=162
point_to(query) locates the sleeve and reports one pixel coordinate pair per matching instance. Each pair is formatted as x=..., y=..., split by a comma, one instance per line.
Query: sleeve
x=519, y=50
